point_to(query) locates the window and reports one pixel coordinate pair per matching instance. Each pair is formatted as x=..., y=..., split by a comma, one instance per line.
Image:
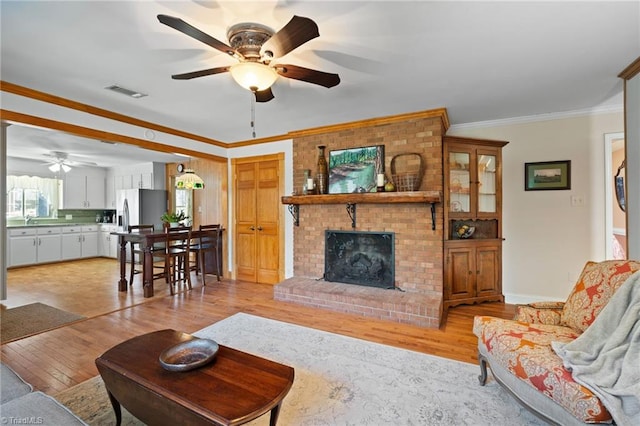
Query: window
x=32, y=196
x=184, y=202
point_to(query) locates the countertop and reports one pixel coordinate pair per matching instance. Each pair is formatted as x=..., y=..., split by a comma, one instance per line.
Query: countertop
x=42, y=225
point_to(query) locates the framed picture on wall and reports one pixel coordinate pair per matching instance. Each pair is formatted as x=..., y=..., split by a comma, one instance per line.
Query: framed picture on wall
x=547, y=175
x=355, y=169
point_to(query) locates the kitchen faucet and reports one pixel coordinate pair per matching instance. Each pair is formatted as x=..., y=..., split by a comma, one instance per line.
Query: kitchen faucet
x=27, y=219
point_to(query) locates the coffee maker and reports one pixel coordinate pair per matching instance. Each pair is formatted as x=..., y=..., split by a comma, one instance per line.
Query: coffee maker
x=108, y=215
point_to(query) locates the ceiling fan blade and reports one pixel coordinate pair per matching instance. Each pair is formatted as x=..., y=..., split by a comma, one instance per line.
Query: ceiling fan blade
x=191, y=31
x=264, y=95
x=298, y=31
x=80, y=163
x=310, y=76
x=201, y=73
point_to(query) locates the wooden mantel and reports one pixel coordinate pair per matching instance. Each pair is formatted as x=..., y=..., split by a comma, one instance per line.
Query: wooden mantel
x=351, y=200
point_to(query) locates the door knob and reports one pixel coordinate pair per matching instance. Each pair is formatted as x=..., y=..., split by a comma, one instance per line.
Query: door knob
x=252, y=228
x=259, y=228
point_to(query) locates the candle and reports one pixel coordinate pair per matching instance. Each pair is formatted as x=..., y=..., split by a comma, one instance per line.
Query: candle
x=380, y=181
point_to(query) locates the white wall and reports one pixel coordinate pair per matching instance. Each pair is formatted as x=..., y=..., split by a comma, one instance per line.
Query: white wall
x=547, y=240
x=3, y=209
x=632, y=105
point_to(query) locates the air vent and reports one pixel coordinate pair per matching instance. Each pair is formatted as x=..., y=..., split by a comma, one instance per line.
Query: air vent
x=124, y=91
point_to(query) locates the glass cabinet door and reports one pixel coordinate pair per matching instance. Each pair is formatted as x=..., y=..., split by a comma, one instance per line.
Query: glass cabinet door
x=459, y=181
x=486, y=183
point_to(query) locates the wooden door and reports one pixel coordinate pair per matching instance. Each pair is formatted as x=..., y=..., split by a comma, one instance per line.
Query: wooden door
x=267, y=222
x=460, y=274
x=245, y=212
x=258, y=242
x=488, y=261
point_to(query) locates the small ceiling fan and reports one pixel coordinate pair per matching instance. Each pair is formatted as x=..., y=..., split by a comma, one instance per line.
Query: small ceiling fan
x=60, y=161
x=257, y=48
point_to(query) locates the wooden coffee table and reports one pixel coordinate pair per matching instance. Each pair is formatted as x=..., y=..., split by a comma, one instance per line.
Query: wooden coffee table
x=235, y=388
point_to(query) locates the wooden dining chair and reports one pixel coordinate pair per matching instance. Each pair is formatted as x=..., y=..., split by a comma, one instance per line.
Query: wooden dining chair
x=206, y=249
x=136, y=250
x=177, y=245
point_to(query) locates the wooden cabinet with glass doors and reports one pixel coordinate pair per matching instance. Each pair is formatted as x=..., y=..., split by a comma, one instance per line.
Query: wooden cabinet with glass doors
x=473, y=220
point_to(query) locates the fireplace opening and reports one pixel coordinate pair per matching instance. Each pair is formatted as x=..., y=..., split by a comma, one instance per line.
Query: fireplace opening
x=363, y=258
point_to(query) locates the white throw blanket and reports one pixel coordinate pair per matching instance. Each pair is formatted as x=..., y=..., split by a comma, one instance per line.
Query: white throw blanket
x=606, y=357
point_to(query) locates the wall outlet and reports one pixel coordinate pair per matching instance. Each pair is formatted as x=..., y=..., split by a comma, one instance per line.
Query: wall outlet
x=68, y=216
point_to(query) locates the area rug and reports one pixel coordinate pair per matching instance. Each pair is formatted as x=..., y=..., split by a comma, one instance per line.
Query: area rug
x=344, y=381
x=22, y=321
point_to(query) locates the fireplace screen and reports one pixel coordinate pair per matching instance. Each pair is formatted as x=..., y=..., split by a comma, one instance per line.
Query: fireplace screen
x=364, y=258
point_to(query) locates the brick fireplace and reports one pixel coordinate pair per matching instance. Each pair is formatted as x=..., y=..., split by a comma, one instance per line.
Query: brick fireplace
x=417, y=297
x=362, y=258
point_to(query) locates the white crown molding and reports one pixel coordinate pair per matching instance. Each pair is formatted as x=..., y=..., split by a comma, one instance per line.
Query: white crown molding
x=540, y=117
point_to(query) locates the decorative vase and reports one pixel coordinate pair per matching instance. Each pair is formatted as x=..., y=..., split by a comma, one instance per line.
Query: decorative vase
x=322, y=175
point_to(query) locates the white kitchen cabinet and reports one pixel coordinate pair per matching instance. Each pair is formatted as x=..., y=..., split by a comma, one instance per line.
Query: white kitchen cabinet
x=23, y=247
x=140, y=176
x=74, y=192
x=49, y=245
x=28, y=246
x=95, y=192
x=103, y=243
x=136, y=181
x=71, y=242
x=145, y=181
x=79, y=242
x=89, y=241
x=110, y=192
x=84, y=192
x=108, y=244
x=123, y=181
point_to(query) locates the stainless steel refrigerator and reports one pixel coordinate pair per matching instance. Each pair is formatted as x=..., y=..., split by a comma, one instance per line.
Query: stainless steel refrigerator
x=142, y=206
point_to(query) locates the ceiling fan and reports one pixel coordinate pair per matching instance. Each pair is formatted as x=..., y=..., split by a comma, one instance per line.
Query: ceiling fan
x=60, y=161
x=257, y=47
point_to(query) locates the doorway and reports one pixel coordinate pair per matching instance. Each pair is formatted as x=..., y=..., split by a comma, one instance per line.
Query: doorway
x=615, y=216
x=258, y=218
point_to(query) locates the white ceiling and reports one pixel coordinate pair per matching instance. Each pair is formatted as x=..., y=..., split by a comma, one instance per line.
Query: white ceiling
x=480, y=60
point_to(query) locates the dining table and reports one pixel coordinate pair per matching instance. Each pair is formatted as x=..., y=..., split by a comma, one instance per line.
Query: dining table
x=147, y=239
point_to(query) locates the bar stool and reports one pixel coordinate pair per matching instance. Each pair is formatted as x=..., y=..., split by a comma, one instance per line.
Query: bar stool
x=178, y=242
x=135, y=249
x=207, y=248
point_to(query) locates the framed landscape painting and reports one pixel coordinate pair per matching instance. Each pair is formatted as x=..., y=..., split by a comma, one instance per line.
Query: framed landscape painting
x=355, y=169
x=547, y=175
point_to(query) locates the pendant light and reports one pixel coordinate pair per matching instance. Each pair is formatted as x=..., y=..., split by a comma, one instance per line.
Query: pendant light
x=189, y=180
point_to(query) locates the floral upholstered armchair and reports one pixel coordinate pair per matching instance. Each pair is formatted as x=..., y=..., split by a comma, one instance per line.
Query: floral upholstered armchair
x=521, y=357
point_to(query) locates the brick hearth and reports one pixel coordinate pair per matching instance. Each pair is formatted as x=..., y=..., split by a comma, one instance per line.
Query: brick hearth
x=418, y=248
x=392, y=305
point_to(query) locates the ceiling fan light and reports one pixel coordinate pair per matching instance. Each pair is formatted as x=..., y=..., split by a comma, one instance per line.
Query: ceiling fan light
x=253, y=76
x=55, y=167
x=189, y=180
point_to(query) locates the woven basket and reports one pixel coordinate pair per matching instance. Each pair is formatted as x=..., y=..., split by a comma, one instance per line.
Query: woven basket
x=407, y=171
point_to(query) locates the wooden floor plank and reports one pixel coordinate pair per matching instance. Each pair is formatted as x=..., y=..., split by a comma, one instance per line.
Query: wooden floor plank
x=61, y=358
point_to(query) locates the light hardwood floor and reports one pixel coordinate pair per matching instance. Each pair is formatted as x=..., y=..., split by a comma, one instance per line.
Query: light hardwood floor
x=58, y=359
